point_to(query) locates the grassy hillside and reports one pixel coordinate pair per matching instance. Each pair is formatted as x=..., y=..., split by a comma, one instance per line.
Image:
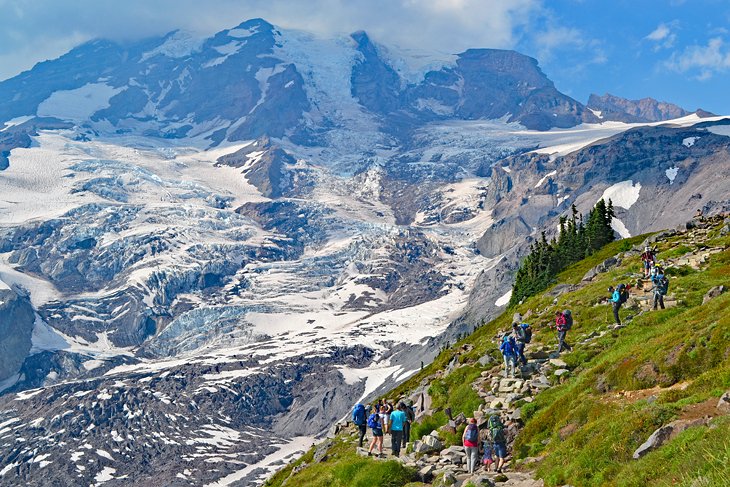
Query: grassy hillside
x=623, y=383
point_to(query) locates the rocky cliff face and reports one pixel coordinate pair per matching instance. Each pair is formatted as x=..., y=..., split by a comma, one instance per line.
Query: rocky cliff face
x=16, y=328
x=645, y=110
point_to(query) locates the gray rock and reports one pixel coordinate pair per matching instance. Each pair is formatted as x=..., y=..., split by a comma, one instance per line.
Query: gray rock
x=665, y=433
x=723, y=405
x=713, y=293
x=561, y=372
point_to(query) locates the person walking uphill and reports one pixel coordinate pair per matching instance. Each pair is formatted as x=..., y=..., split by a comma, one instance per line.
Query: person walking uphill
x=470, y=440
x=508, y=347
x=396, y=424
x=661, y=286
x=375, y=423
x=359, y=419
x=523, y=335
x=563, y=323
x=648, y=259
x=620, y=296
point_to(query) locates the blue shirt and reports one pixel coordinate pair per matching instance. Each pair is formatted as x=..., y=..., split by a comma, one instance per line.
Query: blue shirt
x=397, y=420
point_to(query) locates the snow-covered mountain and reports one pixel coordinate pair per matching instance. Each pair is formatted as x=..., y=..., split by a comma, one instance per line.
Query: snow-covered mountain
x=211, y=248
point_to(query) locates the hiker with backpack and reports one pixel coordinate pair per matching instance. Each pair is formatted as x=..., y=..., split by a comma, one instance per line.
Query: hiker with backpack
x=358, y=418
x=470, y=440
x=648, y=259
x=660, y=288
x=395, y=425
x=488, y=456
x=410, y=418
x=508, y=347
x=523, y=335
x=375, y=423
x=499, y=440
x=563, y=324
x=619, y=297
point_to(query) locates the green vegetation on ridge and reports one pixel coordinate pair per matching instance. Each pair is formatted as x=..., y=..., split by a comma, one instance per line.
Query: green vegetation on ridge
x=665, y=365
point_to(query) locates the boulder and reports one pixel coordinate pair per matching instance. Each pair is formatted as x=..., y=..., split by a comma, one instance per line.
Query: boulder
x=713, y=293
x=556, y=362
x=561, y=372
x=460, y=419
x=485, y=360
x=666, y=433
x=426, y=473
x=430, y=443
x=723, y=405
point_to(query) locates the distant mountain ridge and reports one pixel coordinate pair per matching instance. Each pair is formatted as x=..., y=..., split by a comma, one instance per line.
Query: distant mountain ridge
x=644, y=110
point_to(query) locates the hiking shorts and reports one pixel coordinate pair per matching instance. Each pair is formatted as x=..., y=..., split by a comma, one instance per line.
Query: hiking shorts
x=500, y=450
x=647, y=264
x=377, y=432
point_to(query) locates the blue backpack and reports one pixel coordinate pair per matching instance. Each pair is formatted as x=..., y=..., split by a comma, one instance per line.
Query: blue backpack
x=374, y=421
x=358, y=414
x=472, y=434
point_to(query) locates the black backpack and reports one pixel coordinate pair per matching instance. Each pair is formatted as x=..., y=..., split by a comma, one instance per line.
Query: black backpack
x=623, y=294
x=568, y=319
x=527, y=332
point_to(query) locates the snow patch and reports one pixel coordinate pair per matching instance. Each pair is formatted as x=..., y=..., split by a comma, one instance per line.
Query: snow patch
x=689, y=141
x=504, y=299
x=671, y=174
x=720, y=130
x=178, y=45
x=545, y=177
x=620, y=228
x=623, y=194
x=79, y=104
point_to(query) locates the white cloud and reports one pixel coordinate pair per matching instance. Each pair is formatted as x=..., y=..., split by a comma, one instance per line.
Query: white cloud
x=663, y=36
x=704, y=61
x=445, y=25
x=661, y=32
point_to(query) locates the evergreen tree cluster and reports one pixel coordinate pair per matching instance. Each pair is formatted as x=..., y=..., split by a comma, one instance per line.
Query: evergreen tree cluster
x=578, y=238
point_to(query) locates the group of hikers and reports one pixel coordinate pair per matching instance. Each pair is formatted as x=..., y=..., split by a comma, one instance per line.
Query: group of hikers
x=494, y=444
x=513, y=343
x=383, y=418
x=651, y=271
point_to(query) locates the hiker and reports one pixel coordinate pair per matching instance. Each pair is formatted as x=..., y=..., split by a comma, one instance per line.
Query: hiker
x=660, y=288
x=384, y=418
x=410, y=418
x=395, y=425
x=499, y=440
x=358, y=418
x=470, y=440
x=563, y=323
x=508, y=347
x=649, y=260
x=620, y=296
x=488, y=455
x=375, y=423
x=523, y=336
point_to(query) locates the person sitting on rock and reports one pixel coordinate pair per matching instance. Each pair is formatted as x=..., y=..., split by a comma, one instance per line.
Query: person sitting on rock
x=508, y=347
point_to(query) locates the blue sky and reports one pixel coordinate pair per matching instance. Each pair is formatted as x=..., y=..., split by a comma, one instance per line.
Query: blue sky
x=672, y=50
